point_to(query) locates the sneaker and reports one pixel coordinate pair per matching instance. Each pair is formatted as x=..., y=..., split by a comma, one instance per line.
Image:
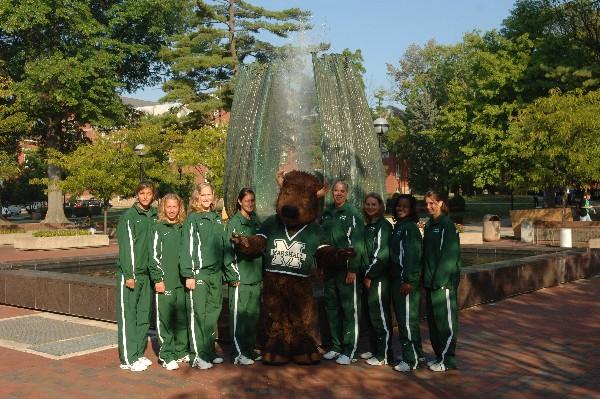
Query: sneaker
x=404, y=367
x=373, y=361
x=145, y=361
x=344, y=360
x=258, y=358
x=217, y=360
x=172, y=365
x=422, y=359
x=331, y=355
x=201, y=364
x=432, y=362
x=438, y=367
x=243, y=360
x=135, y=366
x=185, y=359
x=366, y=355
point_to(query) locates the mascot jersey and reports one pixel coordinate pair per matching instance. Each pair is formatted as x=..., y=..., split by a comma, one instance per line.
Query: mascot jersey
x=288, y=253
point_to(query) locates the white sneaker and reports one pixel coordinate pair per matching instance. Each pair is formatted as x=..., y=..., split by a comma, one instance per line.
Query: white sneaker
x=257, y=358
x=331, y=355
x=438, y=367
x=422, y=359
x=344, y=360
x=373, y=361
x=404, y=367
x=172, y=365
x=135, y=366
x=366, y=355
x=185, y=359
x=432, y=362
x=243, y=360
x=217, y=360
x=145, y=361
x=201, y=364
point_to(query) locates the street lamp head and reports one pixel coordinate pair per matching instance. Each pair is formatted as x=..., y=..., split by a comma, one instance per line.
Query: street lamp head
x=140, y=150
x=381, y=126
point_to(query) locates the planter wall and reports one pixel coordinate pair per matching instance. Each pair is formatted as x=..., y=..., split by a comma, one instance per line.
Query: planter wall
x=9, y=239
x=95, y=240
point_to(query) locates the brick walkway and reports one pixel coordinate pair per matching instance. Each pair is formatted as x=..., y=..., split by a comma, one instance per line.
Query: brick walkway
x=545, y=344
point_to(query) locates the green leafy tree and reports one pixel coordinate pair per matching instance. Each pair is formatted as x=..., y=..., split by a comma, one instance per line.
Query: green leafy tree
x=220, y=35
x=70, y=59
x=559, y=141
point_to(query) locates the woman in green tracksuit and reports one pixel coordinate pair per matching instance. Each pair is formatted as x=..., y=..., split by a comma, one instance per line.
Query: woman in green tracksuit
x=406, y=266
x=134, y=294
x=343, y=225
x=171, y=321
x=244, y=276
x=201, y=262
x=441, y=275
x=376, y=280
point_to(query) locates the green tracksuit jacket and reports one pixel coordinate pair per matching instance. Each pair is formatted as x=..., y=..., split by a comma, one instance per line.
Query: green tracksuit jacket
x=244, y=299
x=344, y=228
x=377, y=297
x=133, y=305
x=441, y=275
x=201, y=258
x=406, y=267
x=171, y=315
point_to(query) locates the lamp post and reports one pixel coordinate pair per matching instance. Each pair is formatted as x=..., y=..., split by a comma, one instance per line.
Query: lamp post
x=381, y=127
x=140, y=151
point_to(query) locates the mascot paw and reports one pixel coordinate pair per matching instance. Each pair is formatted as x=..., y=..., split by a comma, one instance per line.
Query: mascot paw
x=274, y=359
x=240, y=241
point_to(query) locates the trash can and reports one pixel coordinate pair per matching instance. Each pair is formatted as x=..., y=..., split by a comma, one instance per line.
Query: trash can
x=527, y=231
x=491, y=228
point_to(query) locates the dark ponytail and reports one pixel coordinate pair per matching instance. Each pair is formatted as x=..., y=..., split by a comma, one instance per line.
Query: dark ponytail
x=243, y=192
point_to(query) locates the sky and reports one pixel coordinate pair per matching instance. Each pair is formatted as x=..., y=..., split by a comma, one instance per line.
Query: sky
x=383, y=29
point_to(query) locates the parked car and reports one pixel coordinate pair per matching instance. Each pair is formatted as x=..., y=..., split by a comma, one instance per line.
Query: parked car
x=13, y=210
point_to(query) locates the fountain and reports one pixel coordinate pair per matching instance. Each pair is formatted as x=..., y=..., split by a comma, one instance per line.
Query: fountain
x=289, y=114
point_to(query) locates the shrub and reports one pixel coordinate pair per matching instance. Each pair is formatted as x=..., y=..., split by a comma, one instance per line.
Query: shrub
x=61, y=233
x=11, y=230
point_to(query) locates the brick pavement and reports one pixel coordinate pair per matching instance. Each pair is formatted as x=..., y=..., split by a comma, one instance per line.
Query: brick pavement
x=543, y=344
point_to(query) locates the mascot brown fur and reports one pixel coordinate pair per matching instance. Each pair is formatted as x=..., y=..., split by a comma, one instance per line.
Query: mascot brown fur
x=287, y=298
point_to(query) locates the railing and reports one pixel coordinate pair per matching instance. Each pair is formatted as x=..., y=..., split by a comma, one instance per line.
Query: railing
x=550, y=235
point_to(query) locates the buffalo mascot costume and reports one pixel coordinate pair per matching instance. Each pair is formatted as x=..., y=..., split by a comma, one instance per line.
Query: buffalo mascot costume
x=292, y=242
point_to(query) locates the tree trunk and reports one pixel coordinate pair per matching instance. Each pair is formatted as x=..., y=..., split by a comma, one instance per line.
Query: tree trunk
x=56, y=211
x=564, y=207
x=232, y=47
x=105, y=217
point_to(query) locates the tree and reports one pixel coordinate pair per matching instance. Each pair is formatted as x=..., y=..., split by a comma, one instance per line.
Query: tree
x=204, y=150
x=559, y=141
x=220, y=35
x=69, y=60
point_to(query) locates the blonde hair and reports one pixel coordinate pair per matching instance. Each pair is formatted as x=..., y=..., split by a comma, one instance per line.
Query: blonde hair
x=162, y=213
x=195, y=205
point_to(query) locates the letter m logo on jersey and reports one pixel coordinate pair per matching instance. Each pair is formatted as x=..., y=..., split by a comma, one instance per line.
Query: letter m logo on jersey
x=289, y=256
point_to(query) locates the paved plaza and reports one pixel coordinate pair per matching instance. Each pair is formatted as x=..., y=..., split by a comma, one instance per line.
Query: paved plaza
x=544, y=344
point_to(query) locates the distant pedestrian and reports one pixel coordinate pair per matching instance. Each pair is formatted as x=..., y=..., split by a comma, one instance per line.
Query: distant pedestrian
x=585, y=208
x=171, y=314
x=441, y=276
x=134, y=293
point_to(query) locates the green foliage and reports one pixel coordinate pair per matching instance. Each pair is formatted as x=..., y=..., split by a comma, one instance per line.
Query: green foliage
x=11, y=230
x=61, y=233
x=560, y=144
x=204, y=150
x=205, y=57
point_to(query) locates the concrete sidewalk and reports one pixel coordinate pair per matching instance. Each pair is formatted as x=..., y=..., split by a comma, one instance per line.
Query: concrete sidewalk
x=545, y=344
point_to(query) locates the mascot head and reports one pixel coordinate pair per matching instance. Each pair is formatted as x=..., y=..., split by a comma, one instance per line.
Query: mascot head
x=298, y=200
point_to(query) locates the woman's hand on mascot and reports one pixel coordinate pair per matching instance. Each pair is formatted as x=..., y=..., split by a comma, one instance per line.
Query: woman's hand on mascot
x=350, y=278
x=234, y=283
x=130, y=283
x=190, y=283
x=159, y=287
x=405, y=288
x=240, y=241
x=345, y=254
x=367, y=282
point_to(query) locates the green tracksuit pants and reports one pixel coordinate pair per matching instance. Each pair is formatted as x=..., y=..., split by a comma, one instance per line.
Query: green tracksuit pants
x=204, y=306
x=342, y=305
x=171, y=324
x=406, y=308
x=377, y=307
x=442, y=317
x=244, y=310
x=133, y=317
